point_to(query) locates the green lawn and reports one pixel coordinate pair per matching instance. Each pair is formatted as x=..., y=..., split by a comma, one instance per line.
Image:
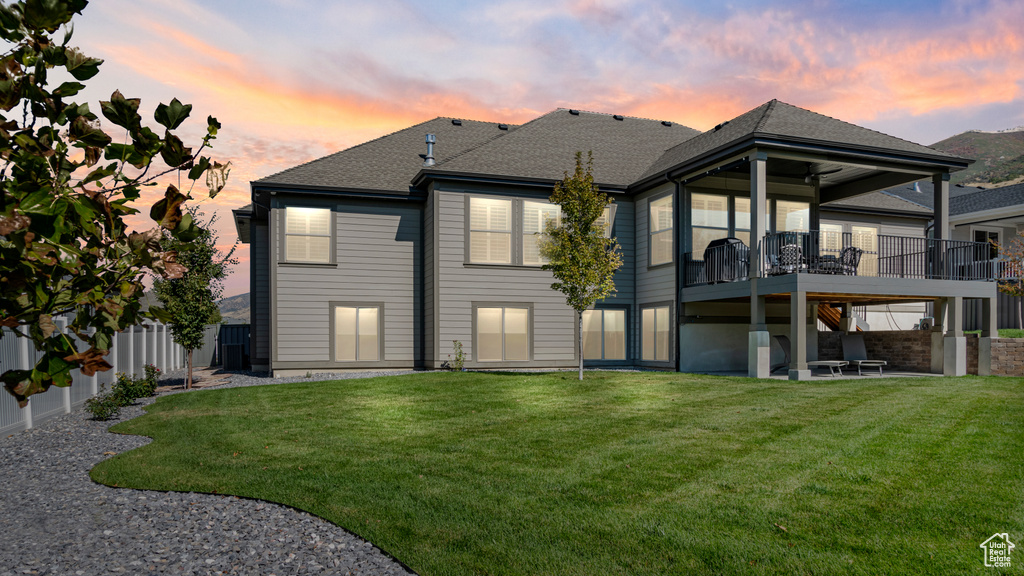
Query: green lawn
x=1003, y=332
x=624, y=473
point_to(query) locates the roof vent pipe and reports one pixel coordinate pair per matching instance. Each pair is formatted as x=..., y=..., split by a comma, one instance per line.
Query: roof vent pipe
x=429, y=158
x=917, y=186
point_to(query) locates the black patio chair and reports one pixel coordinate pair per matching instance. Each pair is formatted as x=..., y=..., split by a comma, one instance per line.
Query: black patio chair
x=849, y=260
x=787, y=261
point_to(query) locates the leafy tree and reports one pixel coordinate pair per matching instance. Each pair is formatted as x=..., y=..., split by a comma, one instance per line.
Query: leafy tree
x=582, y=260
x=1011, y=281
x=191, y=300
x=66, y=186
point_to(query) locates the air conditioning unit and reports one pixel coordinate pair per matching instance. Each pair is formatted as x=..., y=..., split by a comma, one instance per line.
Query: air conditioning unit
x=926, y=323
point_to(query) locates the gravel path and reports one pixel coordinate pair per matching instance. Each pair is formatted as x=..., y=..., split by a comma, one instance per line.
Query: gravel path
x=55, y=520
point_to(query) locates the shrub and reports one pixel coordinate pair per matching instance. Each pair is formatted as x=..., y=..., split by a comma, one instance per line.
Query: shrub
x=458, y=363
x=104, y=406
x=152, y=377
x=127, y=388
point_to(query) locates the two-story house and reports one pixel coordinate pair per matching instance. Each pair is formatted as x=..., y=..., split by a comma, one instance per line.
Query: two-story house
x=382, y=255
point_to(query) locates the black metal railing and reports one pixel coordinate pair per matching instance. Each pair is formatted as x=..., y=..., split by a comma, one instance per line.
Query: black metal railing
x=845, y=253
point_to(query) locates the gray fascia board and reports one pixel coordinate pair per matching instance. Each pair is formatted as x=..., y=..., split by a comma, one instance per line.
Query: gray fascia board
x=769, y=141
x=877, y=212
x=410, y=195
x=425, y=176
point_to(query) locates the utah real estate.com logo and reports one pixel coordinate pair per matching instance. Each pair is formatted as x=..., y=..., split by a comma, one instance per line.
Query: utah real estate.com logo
x=997, y=550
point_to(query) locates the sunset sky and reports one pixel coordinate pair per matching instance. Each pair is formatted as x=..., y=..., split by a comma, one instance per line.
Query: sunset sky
x=293, y=80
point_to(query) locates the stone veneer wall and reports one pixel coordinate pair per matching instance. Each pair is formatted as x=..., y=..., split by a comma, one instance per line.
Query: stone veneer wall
x=911, y=351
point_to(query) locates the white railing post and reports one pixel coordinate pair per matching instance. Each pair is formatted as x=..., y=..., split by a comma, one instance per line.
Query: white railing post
x=154, y=347
x=62, y=324
x=131, y=350
x=26, y=364
x=114, y=353
x=94, y=380
x=165, y=364
x=144, y=351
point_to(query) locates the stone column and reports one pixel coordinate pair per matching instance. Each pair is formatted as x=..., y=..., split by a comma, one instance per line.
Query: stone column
x=954, y=345
x=938, y=321
x=798, y=334
x=989, y=331
x=759, y=342
x=847, y=321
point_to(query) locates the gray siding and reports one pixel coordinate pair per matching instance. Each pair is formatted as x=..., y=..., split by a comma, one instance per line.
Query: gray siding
x=378, y=260
x=657, y=284
x=460, y=285
x=259, y=306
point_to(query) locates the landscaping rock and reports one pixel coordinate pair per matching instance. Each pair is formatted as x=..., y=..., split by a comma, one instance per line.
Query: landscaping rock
x=55, y=520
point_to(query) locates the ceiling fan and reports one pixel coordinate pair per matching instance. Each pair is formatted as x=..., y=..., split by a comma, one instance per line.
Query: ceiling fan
x=810, y=175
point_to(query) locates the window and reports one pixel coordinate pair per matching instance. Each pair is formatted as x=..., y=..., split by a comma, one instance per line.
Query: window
x=660, y=225
x=307, y=235
x=502, y=334
x=988, y=237
x=655, y=334
x=536, y=216
x=866, y=238
x=490, y=231
x=710, y=219
x=607, y=220
x=604, y=334
x=356, y=333
x=792, y=216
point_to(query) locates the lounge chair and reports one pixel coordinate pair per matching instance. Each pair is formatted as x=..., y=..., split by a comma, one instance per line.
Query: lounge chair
x=856, y=354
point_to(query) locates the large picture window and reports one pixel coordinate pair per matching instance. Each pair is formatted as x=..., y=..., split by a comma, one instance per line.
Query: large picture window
x=604, y=334
x=490, y=230
x=357, y=333
x=655, y=334
x=502, y=334
x=710, y=218
x=660, y=230
x=307, y=235
x=536, y=216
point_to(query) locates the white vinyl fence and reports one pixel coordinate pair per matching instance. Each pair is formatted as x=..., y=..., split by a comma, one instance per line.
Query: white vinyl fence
x=148, y=343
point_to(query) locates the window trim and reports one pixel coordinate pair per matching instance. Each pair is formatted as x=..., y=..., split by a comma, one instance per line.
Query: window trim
x=988, y=229
x=332, y=238
x=513, y=228
x=331, y=306
x=650, y=235
x=672, y=326
x=628, y=336
x=503, y=363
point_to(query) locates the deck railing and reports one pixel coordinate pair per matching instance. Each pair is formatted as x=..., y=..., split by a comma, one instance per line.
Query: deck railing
x=843, y=253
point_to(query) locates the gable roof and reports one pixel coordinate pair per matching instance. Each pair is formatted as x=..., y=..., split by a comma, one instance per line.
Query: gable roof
x=963, y=199
x=775, y=119
x=388, y=163
x=544, y=148
x=883, y=201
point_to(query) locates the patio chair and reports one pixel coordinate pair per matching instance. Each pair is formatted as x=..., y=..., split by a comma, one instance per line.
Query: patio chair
x=856, y=353
x=849, y=260
x=784, y=345
x=787, y=261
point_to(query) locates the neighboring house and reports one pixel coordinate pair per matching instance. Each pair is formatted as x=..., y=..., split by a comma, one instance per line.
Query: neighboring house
x=986, y=215
x=380, y=257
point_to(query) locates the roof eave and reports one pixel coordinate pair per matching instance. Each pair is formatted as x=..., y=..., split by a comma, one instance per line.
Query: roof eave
x=953, y=164
x=424, y=177
x=410, y=194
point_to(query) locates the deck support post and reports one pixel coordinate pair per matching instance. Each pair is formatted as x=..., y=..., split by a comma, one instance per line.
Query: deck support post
x=989, y=330
x=758, y=208
x=847, y=321
x=954, y=345
x=798, y=335
x=759, y=341
x=941, y=202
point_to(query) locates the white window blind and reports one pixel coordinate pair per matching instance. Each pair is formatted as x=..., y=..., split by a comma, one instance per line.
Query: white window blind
x=490, y=231
x=655, y=334
x=307, y=234
x=604, y=334
x=660, y=225
x=536, y=216
x=356, y=333
x=502, y=334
